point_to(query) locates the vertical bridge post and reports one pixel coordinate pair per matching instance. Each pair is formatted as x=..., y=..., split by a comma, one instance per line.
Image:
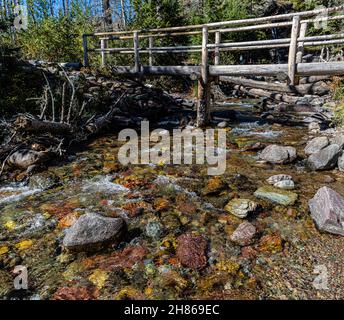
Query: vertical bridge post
x=103, y=46
x=203, y=110
x=137, y=52
x=293, y=50
x=217, y=49
x=85, y=46
x=301, y=47
x=301, y=44
x=151, y=44
x=217, y=53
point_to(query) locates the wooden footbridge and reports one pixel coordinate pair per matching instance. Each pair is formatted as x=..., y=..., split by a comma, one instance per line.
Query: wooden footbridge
x=208, y=70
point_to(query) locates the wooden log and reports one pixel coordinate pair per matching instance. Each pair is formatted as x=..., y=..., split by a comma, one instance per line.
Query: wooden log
x=191, y=50
x=255, y=27
x=137, y=52
x=85, y=46
x=320, y=69
x=230, y=46
x=254, y=21
x=303, y=69
x=26, y=158
x=161, y=70
x=318, y=89
x=32, y=125
x=318, y=38
x=329, y=18
x=323, y=43
x=229, y=30
x=267, y=94
x=203, y=112
x=226, y=30
x=293, y=49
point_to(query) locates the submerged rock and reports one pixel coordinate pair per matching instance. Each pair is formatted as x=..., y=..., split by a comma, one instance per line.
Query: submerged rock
x=279, y=177
x=191, y=251
x=214, y=186
x=278, y=154
x=244, y=234
x=274, y=195
x=314, y=127
x=285, y=185
x=43, y=182
x=154, y=229
x=271, y=244
x=327, y=210
x=76, y=293
x=338, y=139
x=91, y=231
x=241, y=208
x=222, y=125
x=316, y=144
x=325, y=159
x=341, y=163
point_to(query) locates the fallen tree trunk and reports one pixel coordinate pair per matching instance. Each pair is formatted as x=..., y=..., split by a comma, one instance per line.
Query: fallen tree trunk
x=319, y=88
x=270, y=95
x=23, y=123
x=25, y=158
x=313, y=79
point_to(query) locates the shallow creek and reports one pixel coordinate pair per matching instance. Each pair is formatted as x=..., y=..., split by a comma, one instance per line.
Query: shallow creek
x=159, y=204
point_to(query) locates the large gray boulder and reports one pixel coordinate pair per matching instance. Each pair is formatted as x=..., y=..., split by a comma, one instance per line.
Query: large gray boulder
x=338, y=139
x=278, y=154
x=341, y=163
x=325, y=159
x=327, y=210
x=92, y=231
x=316, y=144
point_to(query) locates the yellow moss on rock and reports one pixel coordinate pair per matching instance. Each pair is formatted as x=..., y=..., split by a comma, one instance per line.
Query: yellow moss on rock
x=23, y=245
x=99, y=278
x=3, y=250
x=228, y=266
x=10, y=225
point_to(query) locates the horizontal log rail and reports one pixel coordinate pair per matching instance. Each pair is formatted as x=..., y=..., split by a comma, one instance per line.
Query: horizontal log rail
x=298, y=23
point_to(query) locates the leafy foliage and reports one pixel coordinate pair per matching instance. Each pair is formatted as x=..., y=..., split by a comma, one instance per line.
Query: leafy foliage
x=54, y=39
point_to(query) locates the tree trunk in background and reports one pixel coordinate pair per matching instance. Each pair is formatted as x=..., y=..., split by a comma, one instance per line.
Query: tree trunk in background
x=65, y=7
x=31, y=10
x=51, y=5
x=107, y=13
x=124, y=19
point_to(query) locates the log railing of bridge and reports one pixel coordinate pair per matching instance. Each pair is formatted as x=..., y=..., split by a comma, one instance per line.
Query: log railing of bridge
x=204, y=72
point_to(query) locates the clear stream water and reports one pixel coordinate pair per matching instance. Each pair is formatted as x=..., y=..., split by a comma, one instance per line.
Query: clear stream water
x=278, y=265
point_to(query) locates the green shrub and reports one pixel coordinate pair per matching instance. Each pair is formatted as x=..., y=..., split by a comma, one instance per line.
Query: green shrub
x=54, y=39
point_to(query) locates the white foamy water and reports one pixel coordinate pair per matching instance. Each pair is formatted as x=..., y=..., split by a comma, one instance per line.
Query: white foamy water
x=172, y=183
x=18, y=193
x=103, y=184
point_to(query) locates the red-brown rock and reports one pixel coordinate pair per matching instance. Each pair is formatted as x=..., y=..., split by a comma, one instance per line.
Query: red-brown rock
x=76, y=293
x=191, y=251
